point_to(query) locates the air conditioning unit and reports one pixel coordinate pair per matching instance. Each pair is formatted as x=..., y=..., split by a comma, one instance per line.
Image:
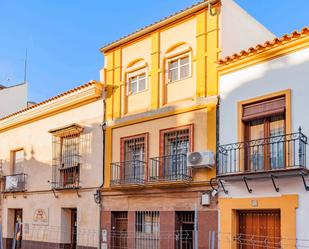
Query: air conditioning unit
x=203, y=159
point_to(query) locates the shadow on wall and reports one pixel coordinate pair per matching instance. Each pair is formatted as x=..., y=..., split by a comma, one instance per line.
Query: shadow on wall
x=39, y=173
x=289, y=72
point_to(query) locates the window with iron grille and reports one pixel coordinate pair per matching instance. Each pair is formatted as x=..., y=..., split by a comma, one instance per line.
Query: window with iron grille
x=66, y=157
x=174, y=145
x=134, y=148
x=70, y=163
x=176, y=141
x=147, y=229
x=134, y=157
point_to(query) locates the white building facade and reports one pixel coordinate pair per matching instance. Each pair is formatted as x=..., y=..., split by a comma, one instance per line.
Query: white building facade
x=263, y=151
x=13, y=98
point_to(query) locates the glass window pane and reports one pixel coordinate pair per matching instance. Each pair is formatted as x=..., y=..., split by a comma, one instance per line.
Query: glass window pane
x=142, y=83
x=173, y=74
x=276, y=142
x=184, y=60
x=133, y=87
x=184, y=71
x=256, y=149
x=173, y=64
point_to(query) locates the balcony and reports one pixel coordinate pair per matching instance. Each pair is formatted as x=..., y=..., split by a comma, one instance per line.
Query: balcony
x=66, y=177
x=171, y=168
x=15, y=183
x=128, y=173
x=276, y=155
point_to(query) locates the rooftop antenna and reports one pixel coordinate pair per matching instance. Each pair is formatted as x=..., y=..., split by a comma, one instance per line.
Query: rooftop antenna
x=25, y=73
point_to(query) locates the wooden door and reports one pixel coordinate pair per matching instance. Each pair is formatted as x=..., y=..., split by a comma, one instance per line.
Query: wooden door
x=119, y=230
x=73, y=228
x=259, y=229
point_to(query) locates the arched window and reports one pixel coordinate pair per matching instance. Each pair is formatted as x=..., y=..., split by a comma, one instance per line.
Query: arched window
x=178, y=63
x=136, y=77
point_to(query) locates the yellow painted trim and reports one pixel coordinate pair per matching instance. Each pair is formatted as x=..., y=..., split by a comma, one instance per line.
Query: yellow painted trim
x=47, y=114
x=207, y=45
x=212, y=56
x=108, y=156
x=265, y=55
x=211, y=143
x=117, y=83
x=132, y=63
x=68, y=102
x=201, y=34
x=162, y=115
x=228, y=217
x=109, y=85
x=286, y=93
x=155, y=74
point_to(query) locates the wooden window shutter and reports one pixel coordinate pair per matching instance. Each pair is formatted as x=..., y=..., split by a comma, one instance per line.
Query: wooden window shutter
x=264, y=109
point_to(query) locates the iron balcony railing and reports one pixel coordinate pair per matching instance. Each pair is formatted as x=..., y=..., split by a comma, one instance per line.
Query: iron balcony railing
x=128, y=172
x=66, y=177
x=66, y=184
x=15, y=183
x=169, y=168
x=279, y=152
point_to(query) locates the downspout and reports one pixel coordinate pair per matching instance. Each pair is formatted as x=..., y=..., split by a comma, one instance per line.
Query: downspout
x=217, y=132
x=98, y=196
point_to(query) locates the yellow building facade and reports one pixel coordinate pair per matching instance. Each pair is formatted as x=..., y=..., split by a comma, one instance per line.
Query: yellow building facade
x=161, y=106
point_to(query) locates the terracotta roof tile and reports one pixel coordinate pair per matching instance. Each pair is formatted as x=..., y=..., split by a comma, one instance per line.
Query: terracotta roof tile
x=50, y=99
x=266, y=45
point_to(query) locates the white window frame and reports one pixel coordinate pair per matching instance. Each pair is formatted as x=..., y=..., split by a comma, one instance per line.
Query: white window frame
x=178, y=58
x=137, y=74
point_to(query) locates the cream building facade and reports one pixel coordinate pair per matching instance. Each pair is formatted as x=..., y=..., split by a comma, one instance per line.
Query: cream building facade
x=51, y=157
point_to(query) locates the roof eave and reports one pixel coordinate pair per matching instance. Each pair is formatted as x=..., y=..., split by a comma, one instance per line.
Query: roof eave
x=158, y=25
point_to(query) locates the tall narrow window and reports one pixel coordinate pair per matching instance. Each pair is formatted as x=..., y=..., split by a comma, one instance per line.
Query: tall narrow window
x=147, y=229
x=133, y=158
x=175, y=144
x=17, y=180
x=264, y=127
x=178, y=68
x=67, y=144
x=18, y=162
x=69, y=170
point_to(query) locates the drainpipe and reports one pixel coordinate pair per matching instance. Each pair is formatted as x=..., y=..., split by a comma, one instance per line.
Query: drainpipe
x=97, y=195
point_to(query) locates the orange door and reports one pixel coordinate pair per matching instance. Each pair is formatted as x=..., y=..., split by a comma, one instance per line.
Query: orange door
x=259, y=229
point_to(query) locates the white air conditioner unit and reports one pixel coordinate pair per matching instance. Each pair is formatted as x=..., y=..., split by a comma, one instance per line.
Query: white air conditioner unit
x=204, y=159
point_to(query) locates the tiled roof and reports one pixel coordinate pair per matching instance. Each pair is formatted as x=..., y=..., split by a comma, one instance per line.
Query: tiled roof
x=265, y=46
x=51, y=99
x=153, y=24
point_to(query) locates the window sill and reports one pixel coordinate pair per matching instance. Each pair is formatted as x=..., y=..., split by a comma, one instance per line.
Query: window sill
x=133, y=94
x=175, y=81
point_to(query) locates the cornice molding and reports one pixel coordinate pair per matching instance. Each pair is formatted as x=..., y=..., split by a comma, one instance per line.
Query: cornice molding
x=63, y=103
x=264, y=54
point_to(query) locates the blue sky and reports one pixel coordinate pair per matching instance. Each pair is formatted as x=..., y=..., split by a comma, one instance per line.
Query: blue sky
x=63, y=37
